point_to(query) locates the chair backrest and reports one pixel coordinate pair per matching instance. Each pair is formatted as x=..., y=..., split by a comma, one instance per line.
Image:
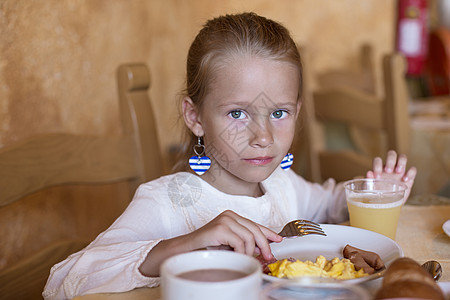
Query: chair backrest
x=358, y=109
x=59, y=191
x=363, y=78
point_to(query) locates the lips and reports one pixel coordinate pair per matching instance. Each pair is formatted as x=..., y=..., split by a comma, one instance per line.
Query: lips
x=259, y=161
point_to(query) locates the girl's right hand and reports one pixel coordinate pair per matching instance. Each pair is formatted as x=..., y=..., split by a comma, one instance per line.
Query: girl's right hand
x=227, y=230
x=239, y=233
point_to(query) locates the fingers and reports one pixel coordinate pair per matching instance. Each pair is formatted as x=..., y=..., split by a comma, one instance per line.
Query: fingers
x=408, y=179
x=377, y=167
x=262, y=241
x=410, y=175
x=219, y=235
x=245, y=236
x=395, y=167
x=401, y=164
x=239, y=238
x=237, y=232
x=270, y=234
x=391, y=161
x=255, y=236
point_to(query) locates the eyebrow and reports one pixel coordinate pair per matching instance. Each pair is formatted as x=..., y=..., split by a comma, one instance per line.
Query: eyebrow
x=241, y=103
x=246, y=104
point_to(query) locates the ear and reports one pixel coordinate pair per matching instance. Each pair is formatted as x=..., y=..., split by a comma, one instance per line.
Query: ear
x=191, y=116
x=299, y=105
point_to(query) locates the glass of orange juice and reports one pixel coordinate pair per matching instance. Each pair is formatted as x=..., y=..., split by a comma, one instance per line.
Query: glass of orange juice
x=375, y=204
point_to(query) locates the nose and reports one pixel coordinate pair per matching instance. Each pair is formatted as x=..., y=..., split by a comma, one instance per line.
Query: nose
x=261, y=133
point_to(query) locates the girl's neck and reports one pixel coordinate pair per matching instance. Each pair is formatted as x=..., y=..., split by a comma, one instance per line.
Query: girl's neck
x=233, y=185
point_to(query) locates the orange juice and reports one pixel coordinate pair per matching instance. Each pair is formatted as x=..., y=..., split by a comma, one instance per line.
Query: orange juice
x=376, y=213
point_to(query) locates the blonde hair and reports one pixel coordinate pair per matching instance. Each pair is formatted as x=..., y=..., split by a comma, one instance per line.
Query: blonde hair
x=219, y=40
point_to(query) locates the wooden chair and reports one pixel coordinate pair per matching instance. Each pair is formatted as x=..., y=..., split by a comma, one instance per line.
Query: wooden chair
x=363, y=78
x=59, y=191
x=355, y=108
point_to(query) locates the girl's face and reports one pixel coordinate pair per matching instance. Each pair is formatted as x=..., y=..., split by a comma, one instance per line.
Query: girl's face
x=248, y=120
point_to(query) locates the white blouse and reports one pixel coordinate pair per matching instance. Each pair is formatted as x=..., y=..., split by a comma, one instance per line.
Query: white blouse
x=177, y=204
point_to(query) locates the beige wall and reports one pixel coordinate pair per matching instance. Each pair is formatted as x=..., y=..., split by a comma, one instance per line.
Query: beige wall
x=58, y=58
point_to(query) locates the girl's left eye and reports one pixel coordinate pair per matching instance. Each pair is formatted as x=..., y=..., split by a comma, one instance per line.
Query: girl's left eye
x=279, y=114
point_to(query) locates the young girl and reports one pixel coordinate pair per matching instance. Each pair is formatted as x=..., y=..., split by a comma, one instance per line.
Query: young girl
x=242, y=100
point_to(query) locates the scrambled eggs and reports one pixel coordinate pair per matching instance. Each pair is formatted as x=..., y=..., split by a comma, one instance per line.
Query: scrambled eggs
x=335, y=268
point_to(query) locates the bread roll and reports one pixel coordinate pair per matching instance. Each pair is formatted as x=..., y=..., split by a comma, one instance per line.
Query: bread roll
x=405, y=268
x=409, y=289
x=406, y=278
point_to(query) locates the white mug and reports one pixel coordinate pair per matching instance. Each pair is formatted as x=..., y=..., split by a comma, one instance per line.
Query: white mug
x=202, y=275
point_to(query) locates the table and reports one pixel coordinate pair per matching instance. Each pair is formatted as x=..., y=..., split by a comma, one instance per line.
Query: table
x=421, y=236
x=419, y=233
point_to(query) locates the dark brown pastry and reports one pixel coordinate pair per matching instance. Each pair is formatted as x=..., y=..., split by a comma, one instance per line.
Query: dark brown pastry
x=371, y=258
x=359, y=262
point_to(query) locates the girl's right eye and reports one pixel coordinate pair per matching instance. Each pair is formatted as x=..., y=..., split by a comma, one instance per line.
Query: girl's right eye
x=237, y=114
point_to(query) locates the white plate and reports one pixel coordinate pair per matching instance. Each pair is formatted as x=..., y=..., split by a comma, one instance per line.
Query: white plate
x=446, y=227
x=338, y=236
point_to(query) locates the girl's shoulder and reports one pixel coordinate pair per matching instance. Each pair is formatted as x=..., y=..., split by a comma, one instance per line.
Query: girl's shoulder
x=169, y=187
x=169, y=181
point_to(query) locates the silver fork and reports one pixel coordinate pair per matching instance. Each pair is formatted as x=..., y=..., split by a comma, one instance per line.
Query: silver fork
x=301, y=228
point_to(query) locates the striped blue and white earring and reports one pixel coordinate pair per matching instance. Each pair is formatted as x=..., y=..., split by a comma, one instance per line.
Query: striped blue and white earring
x=199, y=163
x=287, y=161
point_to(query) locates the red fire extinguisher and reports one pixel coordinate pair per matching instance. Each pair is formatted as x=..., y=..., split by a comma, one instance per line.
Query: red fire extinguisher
x=412, y=34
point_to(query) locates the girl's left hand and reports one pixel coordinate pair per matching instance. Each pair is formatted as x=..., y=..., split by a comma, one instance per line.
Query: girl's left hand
x=395, y=169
